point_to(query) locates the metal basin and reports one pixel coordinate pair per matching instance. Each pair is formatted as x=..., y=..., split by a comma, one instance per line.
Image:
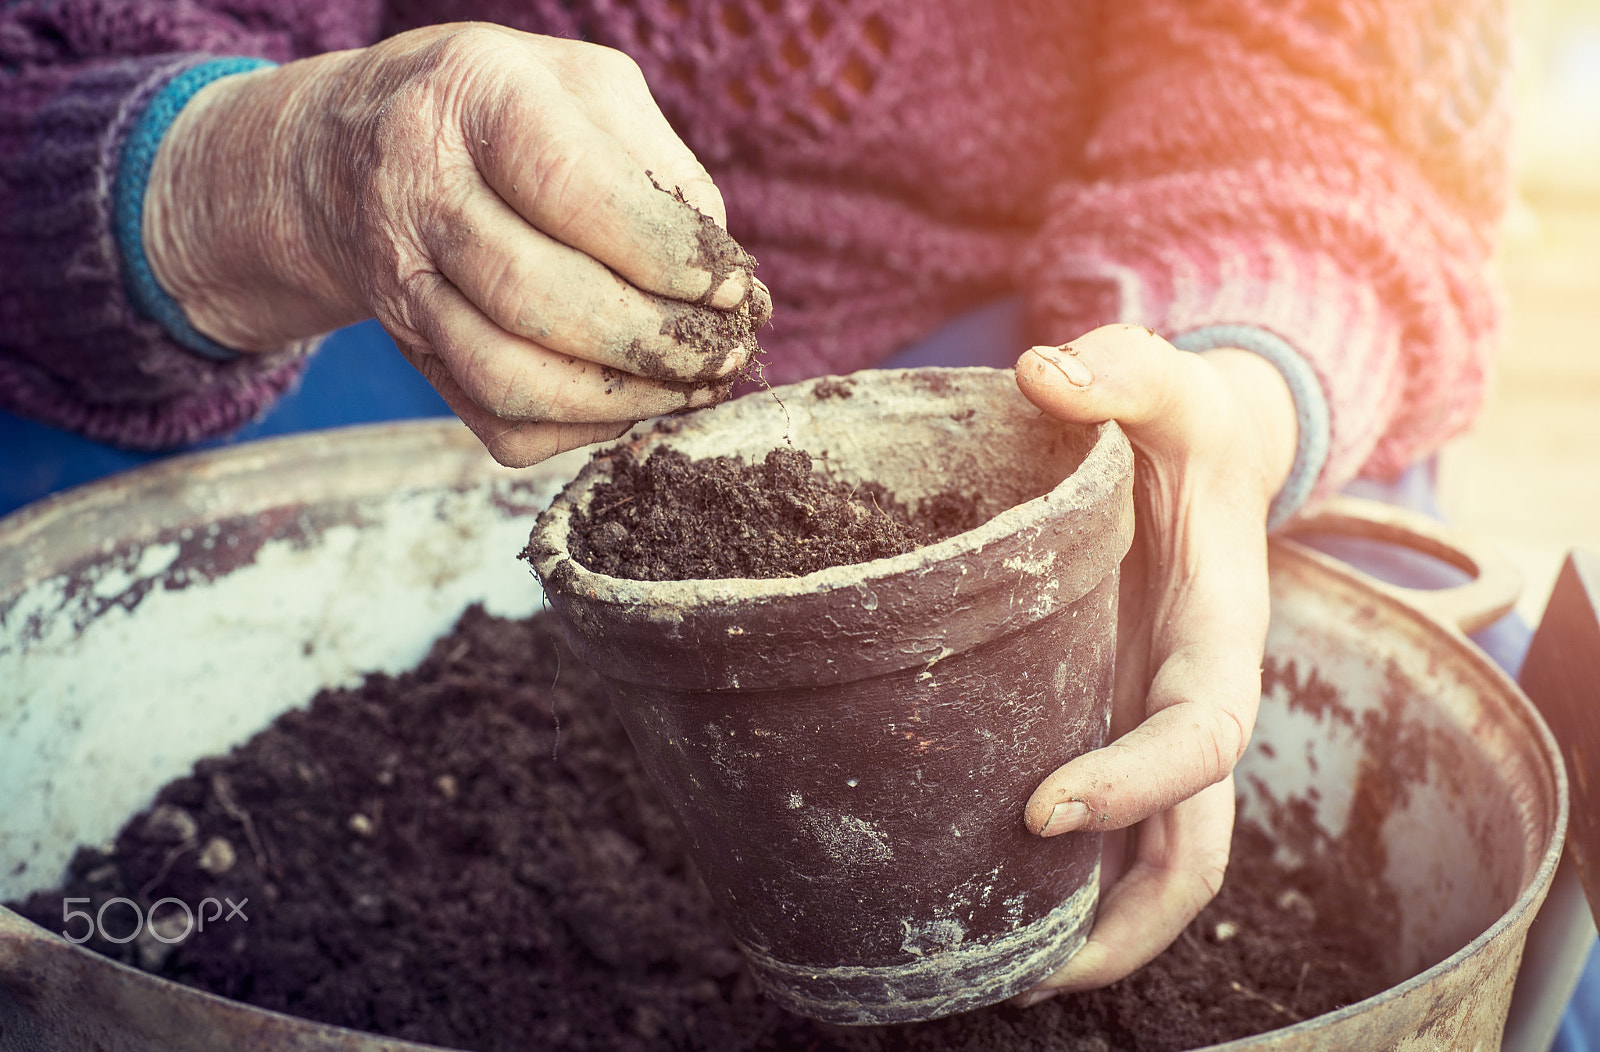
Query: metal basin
x=160, y=616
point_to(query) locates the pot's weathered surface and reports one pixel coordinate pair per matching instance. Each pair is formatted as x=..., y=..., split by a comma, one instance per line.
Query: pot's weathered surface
x=848, y=752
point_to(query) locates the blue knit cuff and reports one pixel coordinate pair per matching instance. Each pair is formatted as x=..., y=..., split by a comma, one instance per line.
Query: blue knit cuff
x=133, y=173
x=1310, y=406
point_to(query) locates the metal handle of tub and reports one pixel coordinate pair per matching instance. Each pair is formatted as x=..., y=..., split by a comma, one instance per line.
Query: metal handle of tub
x=1488, y=596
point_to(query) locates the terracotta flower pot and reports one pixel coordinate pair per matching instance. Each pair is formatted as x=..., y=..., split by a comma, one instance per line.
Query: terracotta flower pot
x=848, y=752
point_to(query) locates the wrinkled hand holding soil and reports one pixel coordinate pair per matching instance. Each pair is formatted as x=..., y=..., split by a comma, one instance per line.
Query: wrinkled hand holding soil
x=669, y=518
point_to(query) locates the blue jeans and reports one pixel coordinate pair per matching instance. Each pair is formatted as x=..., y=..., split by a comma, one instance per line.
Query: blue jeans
x=357, y=377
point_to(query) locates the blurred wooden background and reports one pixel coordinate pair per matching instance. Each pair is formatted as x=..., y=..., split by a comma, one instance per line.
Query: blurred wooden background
x=1527, y=479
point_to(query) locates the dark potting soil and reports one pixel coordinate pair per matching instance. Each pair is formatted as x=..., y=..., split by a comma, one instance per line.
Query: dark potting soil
x=669, y=518
x=469, y=854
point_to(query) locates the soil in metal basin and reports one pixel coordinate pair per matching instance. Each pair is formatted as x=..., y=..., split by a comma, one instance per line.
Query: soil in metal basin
x=469, y=855
x=669, y=518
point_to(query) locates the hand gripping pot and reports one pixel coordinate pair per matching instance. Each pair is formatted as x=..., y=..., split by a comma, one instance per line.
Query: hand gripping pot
x=848, y=753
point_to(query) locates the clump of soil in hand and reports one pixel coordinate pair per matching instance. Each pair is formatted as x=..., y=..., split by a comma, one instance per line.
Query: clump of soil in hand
x=469, y=854
x=669, y=518
x=715, y=333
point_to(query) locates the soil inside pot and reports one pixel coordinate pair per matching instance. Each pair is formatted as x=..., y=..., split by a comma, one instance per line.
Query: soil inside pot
x=469, y=854
x=670, y=518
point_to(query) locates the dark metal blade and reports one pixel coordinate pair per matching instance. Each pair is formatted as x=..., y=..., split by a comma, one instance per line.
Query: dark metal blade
x=1562, y=677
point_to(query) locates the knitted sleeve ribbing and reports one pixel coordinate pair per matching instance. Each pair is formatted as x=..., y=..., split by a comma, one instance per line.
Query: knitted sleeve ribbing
x=75, y=77
x=1329, y=173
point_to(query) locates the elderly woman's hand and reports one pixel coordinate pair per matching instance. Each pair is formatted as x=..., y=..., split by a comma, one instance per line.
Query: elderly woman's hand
x=493, y=198
x=1214, y=436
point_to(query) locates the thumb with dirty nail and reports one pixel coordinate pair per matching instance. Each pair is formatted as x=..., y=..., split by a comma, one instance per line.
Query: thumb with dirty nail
x=1066, y=817
x=1065, y=361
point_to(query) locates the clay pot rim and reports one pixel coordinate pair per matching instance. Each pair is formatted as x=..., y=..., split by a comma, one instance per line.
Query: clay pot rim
x=1092, y=483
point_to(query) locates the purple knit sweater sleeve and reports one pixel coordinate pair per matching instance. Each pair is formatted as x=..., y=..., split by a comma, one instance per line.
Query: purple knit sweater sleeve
x=74, y=76
x=1332, y=174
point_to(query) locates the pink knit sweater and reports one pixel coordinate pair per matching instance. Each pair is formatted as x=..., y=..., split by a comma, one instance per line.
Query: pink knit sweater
x=1328, y=171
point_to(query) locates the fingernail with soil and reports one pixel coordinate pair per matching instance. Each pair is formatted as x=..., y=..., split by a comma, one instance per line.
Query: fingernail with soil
x=1070, y=365
x=732, y=291
x=1066, y=817
x=733, y=363
x=760, y=304
x=701, y=397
